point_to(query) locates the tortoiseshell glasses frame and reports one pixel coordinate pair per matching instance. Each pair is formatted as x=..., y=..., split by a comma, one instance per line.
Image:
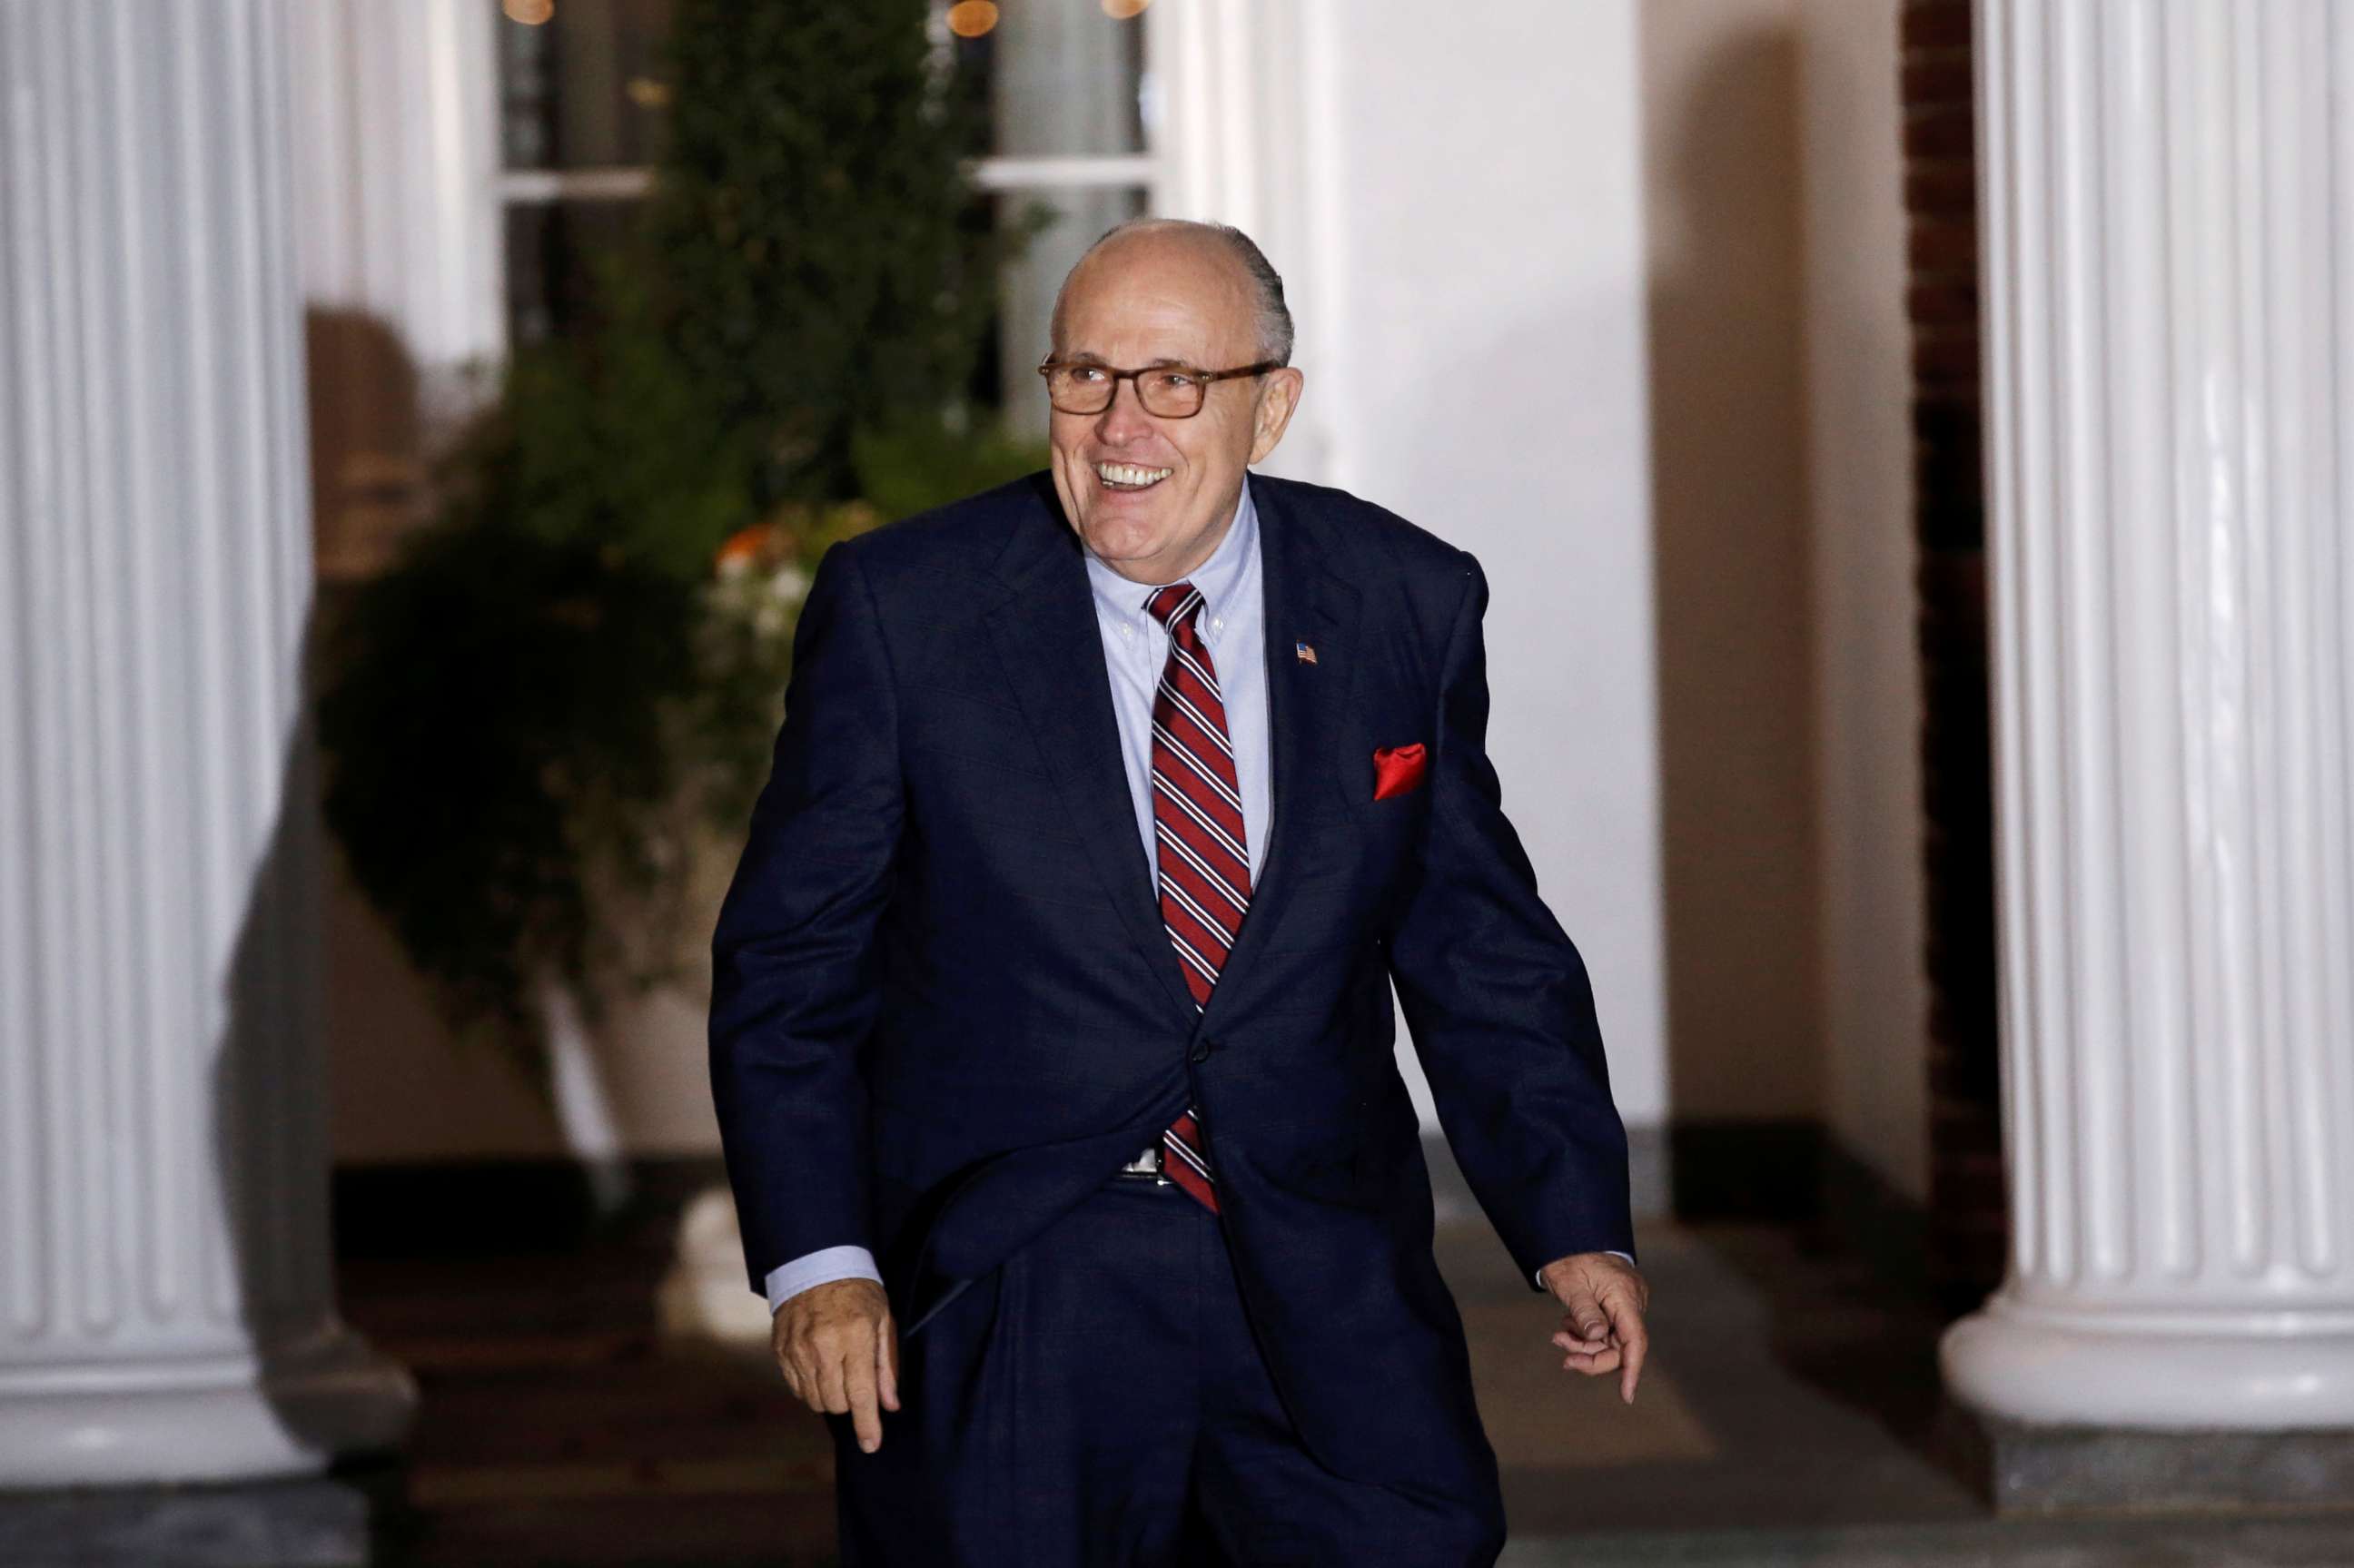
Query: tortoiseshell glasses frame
x=1167, y=391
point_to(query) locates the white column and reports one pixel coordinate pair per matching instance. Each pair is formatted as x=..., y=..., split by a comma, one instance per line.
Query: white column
x=2168, y=194
x=166, y=1309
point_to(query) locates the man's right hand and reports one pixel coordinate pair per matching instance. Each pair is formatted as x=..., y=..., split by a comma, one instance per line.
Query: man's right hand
x=840, y=1352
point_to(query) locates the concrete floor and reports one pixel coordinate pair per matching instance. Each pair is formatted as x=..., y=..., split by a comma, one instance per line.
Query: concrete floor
x=1801, y=1426
x=1783, y=1392
x=1787, y=1418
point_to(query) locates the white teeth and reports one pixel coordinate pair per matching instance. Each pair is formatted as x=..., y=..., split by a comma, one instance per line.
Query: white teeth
x=1131, y=476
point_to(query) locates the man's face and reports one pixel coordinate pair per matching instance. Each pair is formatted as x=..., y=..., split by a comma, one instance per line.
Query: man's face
x=1152, y=496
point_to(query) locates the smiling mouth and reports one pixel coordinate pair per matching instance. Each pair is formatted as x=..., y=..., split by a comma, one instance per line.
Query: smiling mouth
x=1126, y=476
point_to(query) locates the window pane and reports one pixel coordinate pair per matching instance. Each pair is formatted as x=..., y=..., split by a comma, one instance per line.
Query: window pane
x=586, y=88
x=551, y=249
x=1025, y=294
x=1063, y=79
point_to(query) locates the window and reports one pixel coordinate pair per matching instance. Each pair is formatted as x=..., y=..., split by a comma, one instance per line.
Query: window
x=580, y=101
x=1071, y=128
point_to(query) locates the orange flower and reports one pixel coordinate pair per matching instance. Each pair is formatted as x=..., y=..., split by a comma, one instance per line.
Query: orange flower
x=743, y=545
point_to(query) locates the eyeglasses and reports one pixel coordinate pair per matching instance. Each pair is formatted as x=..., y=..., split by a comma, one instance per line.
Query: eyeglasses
x=1167, y=391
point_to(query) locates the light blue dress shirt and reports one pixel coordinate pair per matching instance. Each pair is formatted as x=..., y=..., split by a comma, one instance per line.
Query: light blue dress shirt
x=1233, y=621
x=1136, y=648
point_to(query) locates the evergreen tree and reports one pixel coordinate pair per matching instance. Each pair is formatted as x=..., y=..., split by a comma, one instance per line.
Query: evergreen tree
x=820, y=275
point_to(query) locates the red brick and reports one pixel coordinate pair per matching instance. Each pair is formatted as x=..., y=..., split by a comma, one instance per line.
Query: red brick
x=1935, y=24
x=1945, y=303
x=1932, y=78
x=1941, y=244
x=1948, y=132
x=1968, y=1212
x=1945, y=359
x=1948, y=188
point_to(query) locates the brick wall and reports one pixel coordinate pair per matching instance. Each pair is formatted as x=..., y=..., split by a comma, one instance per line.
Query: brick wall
x=1967, y=1211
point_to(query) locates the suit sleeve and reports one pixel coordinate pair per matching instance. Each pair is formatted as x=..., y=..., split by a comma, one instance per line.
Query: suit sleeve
x=1497, y=1000
x=794, y=957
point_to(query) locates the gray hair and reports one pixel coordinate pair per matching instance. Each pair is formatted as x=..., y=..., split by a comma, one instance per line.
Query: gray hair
x=1274, y=316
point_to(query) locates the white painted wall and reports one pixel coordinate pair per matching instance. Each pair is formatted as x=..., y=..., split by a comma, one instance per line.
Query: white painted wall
x=1728, y=534
x=1867, y=679
x=1475, y=359
x=1783, y=528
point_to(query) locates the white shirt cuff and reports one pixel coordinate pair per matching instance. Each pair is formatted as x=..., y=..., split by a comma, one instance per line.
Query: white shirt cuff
x=822, y=1266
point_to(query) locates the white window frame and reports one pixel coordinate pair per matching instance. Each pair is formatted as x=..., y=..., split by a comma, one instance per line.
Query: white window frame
x=1147, y=170
x=518, y=187
x=403, y=194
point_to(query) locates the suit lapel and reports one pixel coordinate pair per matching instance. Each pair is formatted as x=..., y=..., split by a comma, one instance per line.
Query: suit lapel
x=1047, y=637
x=1046, y=634
x=1305, y=602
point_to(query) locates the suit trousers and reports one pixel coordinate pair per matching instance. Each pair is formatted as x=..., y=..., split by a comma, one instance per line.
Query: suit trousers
x=1099, y=1400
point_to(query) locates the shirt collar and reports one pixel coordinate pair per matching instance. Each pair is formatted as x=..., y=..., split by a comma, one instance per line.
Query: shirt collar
x=1218, y=579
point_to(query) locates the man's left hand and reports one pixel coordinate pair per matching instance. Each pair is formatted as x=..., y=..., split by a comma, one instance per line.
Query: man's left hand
x=1603, y=1296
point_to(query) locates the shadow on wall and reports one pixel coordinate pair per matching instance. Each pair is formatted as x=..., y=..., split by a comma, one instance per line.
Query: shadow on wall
x=1733, y=574
x=325, y=1389
x=399, y=1087
x=368, y=462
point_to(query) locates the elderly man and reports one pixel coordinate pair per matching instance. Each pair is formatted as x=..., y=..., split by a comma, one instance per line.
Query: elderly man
x=1051, y=1025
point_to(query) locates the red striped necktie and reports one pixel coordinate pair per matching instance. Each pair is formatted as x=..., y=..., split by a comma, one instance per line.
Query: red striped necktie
x=1197, y=828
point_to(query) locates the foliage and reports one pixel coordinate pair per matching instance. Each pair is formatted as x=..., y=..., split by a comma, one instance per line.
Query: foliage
x=916, y=467
x=484, y=689
x=811, y=219
x=560, y=698
x=609, y=438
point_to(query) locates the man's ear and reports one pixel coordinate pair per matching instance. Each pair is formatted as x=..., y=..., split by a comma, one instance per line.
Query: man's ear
x=1279, y=396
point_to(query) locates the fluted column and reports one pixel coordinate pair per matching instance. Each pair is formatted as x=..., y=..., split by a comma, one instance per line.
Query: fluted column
x=167, y=1309
x=2168, y=195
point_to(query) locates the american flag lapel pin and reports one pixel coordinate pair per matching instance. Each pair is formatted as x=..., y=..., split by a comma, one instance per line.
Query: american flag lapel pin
x=1305, y=652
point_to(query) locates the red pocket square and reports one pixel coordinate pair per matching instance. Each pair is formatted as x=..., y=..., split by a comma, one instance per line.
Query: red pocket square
x=1397, y=769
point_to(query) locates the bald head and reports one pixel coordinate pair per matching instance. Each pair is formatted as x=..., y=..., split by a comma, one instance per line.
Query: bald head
x=1151, y=488
x=1163, y=241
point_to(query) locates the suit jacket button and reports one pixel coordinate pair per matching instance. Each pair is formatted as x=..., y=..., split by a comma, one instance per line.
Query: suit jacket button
x=1201, y=1049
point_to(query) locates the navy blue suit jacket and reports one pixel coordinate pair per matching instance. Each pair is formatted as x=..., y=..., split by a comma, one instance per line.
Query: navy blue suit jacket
x=944, y=1008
